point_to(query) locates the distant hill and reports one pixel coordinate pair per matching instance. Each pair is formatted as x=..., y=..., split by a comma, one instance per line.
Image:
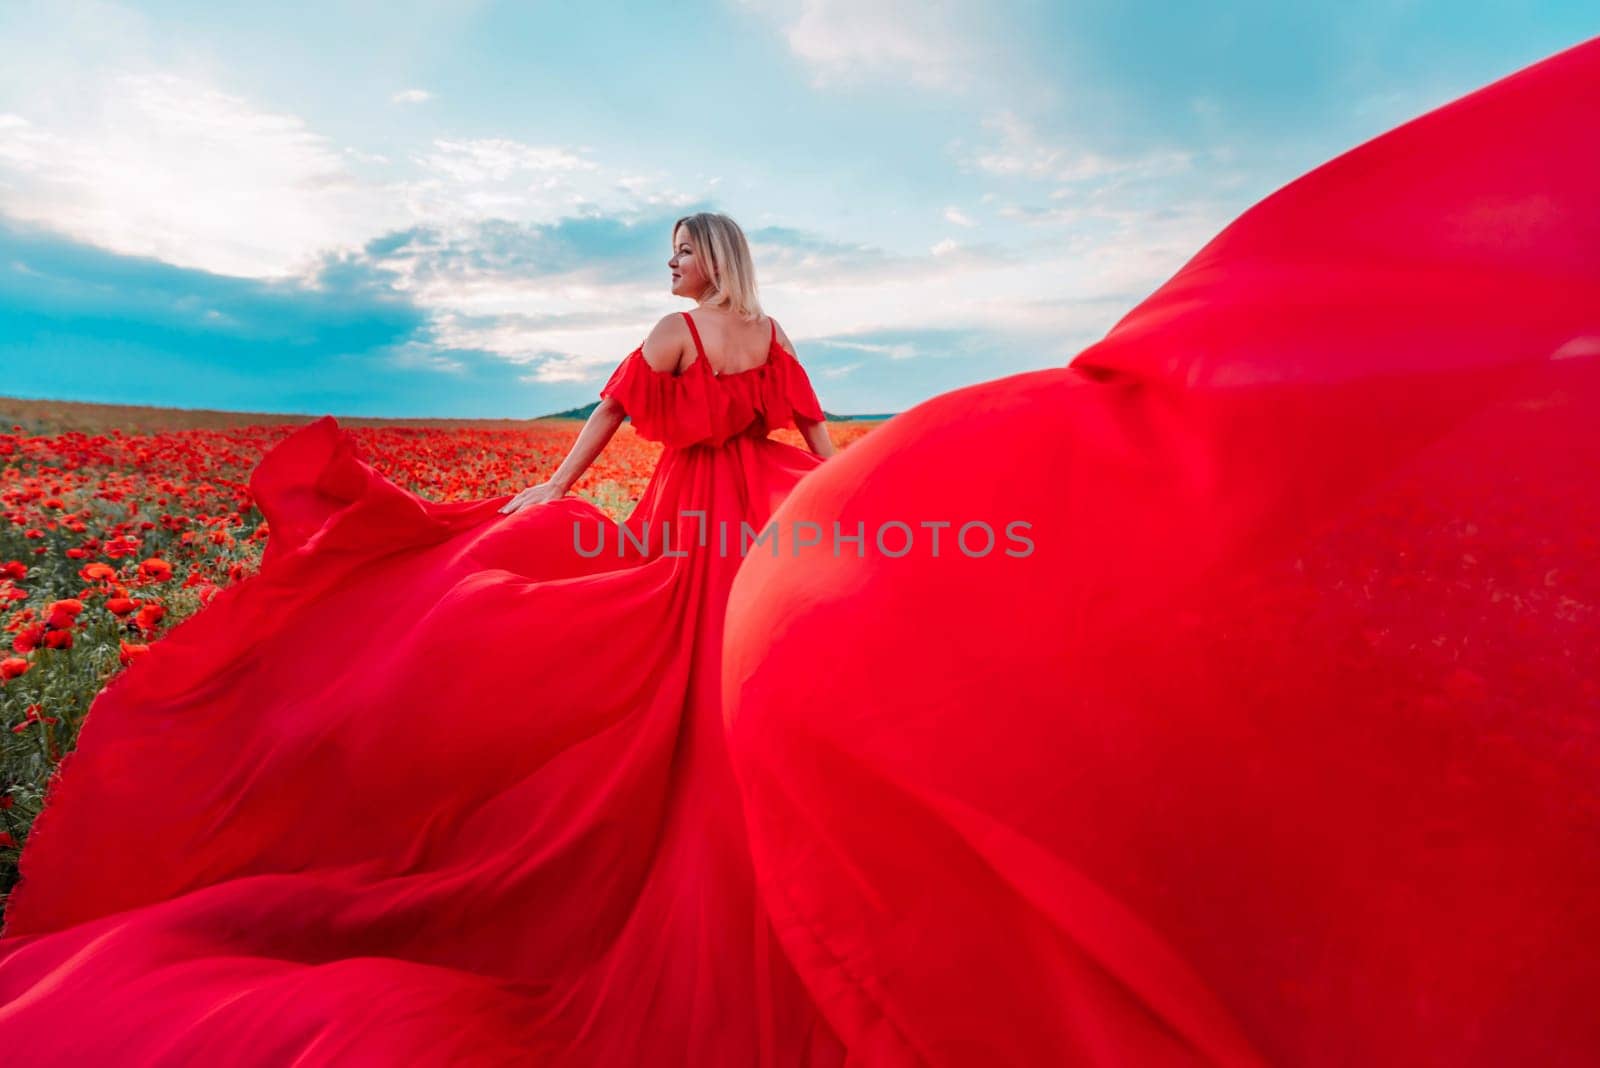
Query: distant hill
x=832, y=417
x=56, y=416
x=868, y=417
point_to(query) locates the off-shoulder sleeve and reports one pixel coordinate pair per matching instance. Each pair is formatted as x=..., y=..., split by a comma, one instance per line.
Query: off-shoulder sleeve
x=627, y=385
x=672, y=409
x=799, y=395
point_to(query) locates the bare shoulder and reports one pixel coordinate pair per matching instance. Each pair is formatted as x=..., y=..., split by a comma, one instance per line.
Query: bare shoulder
x=664, y=346
x=783, y=338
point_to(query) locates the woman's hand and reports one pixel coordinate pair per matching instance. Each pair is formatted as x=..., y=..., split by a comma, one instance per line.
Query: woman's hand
x=544, y=491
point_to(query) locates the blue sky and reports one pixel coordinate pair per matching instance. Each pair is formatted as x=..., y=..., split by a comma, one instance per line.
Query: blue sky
x=462, y=208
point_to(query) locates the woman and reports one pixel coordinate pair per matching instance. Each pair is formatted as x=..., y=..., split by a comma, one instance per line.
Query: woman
x=446, y=782
x=721, y=280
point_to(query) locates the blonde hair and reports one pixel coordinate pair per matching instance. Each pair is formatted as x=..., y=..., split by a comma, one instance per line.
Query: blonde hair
x=727, y=254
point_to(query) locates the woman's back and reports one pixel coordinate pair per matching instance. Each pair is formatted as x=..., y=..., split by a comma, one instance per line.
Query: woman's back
x=727, y=342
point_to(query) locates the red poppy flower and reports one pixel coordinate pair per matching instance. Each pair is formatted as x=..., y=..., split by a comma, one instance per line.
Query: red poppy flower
x=61, y=614
x=149, y=615
x=33, y=714
x=28, y=638
x=119, y=547
x=13, y=666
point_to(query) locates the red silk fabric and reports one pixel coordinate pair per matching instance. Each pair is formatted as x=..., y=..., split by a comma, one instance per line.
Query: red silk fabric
x=1283, y=744
x=433, y=788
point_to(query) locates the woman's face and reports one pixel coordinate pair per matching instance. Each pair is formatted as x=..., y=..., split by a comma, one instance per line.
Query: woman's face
x=691, y=276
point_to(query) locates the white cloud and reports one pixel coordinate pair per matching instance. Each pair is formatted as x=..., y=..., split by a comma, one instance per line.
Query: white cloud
x=955, y=215
x=899, y=351
x=166, y=167
x=570, y=327
x=1050, y=297
x=560, y=367
x=1020, y=152
x=414, y=355
x=496, y=159
x=366, y=157
x=464, y=181
x=646, y=191
x=411, y=96
x=23, y=147
x=845, y=42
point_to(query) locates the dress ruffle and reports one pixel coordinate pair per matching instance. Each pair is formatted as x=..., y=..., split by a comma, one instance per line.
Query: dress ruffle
x=699, y=407
x=672, y=409
x=795, y=388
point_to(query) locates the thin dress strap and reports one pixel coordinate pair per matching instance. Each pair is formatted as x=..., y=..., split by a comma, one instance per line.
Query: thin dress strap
x=701, y=349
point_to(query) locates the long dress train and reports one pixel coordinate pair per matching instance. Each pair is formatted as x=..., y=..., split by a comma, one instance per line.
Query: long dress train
x=439, y=785
x=1282, y=744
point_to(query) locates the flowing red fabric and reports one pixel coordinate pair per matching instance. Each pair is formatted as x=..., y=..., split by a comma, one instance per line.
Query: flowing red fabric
x=434, y=787
x=1279, y=744
x=1282, y=744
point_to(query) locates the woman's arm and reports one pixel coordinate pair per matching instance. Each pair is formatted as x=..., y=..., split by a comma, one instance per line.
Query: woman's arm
x=592, y=439
x=816, y=435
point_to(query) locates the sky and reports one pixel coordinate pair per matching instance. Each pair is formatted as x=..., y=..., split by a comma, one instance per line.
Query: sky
x=454, y=208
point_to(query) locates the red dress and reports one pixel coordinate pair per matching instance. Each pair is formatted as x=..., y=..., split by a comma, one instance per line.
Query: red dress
x=434, y=787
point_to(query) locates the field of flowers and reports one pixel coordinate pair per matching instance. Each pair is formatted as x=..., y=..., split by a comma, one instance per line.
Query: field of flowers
x=111, y=537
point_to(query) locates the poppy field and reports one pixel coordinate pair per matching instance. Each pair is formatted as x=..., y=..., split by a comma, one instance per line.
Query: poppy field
x=112, y=536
